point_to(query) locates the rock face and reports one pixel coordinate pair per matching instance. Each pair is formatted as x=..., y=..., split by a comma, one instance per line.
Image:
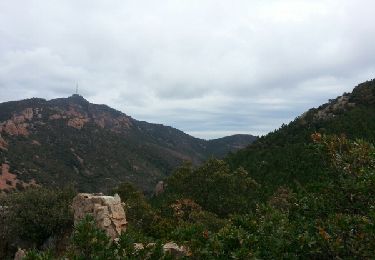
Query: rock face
x=17, y=125
x=3, y=144
x=107, y=211
x=341, y=103
x=9, y=181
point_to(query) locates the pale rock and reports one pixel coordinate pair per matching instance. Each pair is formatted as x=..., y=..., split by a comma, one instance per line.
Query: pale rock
x=107, y=211
x=28, y=113
x=20, y=254
x=138, y=246
x=159, y=188
x=175, y=250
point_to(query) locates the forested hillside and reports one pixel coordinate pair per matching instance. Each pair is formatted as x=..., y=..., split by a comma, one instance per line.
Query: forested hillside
x=304, y=191
x=286, y=156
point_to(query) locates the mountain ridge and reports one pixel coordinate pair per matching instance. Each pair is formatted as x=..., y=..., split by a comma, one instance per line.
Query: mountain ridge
x=93, y=145
x=287, y=157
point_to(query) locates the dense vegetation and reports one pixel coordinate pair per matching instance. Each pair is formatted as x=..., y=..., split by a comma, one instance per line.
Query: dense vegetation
x=305, y=191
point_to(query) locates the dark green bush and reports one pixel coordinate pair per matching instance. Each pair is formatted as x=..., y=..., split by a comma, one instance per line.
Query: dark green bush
x=215, y=187
x=139, y=212
x=35, y=214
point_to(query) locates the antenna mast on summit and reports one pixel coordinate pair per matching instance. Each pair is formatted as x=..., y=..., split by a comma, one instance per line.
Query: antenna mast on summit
x=77, y=89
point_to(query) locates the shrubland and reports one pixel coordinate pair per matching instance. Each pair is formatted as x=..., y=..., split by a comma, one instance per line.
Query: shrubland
x=304, y=191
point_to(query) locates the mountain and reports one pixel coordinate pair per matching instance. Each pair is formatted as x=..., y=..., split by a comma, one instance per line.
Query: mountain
x=69, y=140
x=287, y=156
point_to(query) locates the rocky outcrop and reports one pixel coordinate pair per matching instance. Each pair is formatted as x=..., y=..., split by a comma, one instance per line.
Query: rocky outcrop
x=169, y=248
x=159, y=188
x=107, y=211
x=12, y=127
x=18, y=124
x=9, y=180
x=78, y=118
x=77, y=122
x=335, y=106
x=3, y=144
x=106, y=120
x=174, y=250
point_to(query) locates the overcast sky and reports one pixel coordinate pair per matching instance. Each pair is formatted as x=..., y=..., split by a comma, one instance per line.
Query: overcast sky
x=208, y=67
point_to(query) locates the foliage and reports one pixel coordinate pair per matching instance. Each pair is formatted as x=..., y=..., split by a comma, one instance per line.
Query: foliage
x=36, y=214
x=315, y=199
x=139, y=212
x=89, y=242
x=38, y=255
x=215, y=187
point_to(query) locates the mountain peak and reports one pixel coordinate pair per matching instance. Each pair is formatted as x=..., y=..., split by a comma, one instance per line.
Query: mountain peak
x=76, y=98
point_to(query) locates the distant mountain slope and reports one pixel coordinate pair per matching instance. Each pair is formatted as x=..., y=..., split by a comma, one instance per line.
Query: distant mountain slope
x=286, y=156
x=220, y=147
x=71, y=140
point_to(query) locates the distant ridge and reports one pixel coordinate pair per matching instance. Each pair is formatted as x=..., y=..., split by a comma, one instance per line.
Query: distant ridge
x=70, y=140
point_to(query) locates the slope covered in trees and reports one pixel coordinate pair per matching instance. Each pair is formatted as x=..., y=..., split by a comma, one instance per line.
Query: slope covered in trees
x=286, y=156
x=305, y=191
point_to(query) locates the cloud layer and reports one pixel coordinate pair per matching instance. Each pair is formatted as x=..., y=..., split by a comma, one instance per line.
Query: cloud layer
x=208, y=67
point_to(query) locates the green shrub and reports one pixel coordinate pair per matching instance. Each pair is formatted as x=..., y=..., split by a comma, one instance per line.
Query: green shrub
x=35, y=214
x=215, y=187
x=89, y=242
x=139, y=212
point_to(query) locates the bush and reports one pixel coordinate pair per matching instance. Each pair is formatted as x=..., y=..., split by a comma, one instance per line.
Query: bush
x=89, y=242
x=215, y=187
x=139, y=213
x=36, y=214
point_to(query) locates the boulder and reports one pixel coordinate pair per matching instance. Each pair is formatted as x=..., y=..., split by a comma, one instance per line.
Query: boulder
x=159, y=188
x=20, y=254
x=107, y=211
x=174, y=250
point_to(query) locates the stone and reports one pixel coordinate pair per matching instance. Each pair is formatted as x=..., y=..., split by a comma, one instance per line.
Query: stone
x=174, y=250
x=159, y=188
x=20, y=254
x=138, y=246
x=107, y=211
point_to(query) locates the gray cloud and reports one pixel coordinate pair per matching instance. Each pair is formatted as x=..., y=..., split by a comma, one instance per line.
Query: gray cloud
x=207, y=67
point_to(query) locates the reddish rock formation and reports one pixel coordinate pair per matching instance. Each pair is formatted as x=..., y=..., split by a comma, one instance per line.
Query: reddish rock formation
x=105, y=120
x=3, y=144
x=78, y=119
x=77, y=123
x=7, y=180
x=17, y=124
